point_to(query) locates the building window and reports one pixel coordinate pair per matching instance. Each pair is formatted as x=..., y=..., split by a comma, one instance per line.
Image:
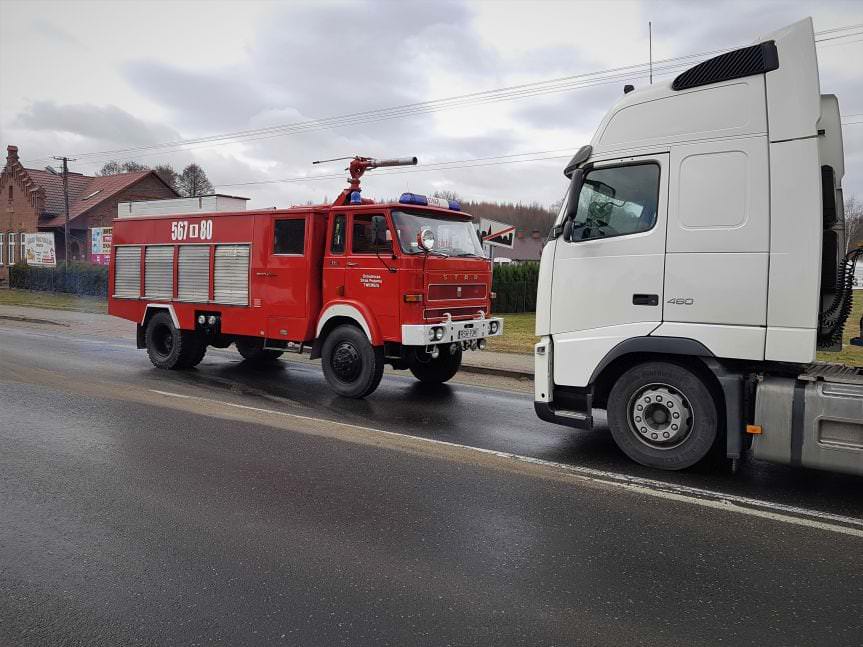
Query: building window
x=11, y=248
x=23, y=257
x=10, y=193
x=2, y=249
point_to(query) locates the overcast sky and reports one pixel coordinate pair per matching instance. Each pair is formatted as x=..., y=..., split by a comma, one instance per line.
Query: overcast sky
x=84, y=77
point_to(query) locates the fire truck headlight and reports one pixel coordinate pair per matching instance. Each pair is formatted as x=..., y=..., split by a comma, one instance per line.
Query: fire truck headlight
x=202, y=319
x=493, y=327
x=438, y=334
x=211, y=320
x=425, y=238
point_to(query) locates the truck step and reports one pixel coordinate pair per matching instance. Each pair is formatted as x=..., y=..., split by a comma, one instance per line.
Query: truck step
x=838, y=373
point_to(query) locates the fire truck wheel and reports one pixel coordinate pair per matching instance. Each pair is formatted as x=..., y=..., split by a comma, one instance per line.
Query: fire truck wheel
x=253, y=351
x=352, y=366
x=662, y=415
x=435, y=370
x=168, y=347
x=196, y=353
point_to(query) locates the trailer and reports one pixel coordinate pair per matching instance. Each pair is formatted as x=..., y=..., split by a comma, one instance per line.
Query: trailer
x=698, y=263
x=359, y=283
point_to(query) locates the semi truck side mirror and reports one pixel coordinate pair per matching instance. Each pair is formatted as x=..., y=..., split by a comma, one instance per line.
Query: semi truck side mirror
x=567, y=230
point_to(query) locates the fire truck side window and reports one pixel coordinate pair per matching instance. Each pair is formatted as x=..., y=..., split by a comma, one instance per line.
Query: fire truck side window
x=337, y=245
x=290, y=236
x=370, y=234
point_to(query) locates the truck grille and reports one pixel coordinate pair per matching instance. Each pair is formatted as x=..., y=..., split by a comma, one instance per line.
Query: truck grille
x=442, y=291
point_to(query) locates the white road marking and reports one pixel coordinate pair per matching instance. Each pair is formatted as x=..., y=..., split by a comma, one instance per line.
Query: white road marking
x=706, y=498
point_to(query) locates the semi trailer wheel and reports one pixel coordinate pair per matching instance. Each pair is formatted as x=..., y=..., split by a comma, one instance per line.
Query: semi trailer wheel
x=253, y=350
x=352, y=366
x=662, y=415
x=171, y=348
x=435, y=370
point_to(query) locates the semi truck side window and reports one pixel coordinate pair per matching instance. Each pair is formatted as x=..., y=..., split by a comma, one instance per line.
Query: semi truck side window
x=290, y=236
x=616, y=201
x=337, y=245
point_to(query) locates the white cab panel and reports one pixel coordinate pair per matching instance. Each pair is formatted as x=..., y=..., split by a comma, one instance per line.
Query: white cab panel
x=576, y=354
x=793, y=90
x=543, y=292
x=733, y=342
x=791, y=344
x=720, y=196
x=795, y=238
x=717, y=288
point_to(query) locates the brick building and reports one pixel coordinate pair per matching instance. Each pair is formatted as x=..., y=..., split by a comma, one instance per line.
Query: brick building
x=32, y=200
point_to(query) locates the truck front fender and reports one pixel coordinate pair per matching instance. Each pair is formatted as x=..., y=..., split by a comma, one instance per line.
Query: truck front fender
x=354, y=311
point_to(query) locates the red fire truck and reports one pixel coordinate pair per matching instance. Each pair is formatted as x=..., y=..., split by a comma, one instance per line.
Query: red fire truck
x=363, y=284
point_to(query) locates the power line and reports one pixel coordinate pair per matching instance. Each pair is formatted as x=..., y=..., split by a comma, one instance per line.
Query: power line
x=562, y=84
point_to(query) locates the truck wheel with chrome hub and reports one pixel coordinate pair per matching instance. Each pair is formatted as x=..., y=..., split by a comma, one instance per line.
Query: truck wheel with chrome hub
x=352, y=366
x=662, y=415
x=436, y=370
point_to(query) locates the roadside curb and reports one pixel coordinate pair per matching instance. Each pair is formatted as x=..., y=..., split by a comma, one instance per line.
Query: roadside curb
x=499, y=372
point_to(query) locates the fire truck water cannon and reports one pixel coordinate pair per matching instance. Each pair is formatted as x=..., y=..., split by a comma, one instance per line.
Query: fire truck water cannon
x=358, y=166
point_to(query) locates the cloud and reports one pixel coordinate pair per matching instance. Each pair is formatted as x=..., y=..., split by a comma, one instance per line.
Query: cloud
x=101, y=123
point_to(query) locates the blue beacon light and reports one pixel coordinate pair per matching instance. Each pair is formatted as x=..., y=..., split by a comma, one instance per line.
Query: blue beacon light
x=417, y=199
x=356, y=198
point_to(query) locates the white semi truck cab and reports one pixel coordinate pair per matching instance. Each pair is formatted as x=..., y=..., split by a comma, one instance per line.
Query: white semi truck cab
x=698, y=262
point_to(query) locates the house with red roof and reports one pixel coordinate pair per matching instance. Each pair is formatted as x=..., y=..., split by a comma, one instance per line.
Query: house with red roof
x=32, y=200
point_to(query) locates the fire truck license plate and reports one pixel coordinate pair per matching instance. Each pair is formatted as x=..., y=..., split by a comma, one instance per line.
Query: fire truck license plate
x=467, y=333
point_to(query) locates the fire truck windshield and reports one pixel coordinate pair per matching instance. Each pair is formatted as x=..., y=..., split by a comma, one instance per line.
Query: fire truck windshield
x=454, y=236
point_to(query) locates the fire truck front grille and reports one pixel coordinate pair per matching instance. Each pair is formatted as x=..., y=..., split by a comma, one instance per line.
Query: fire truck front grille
x=127, y=272
x=456, y=313
x=193, y=273
x=231, y=275
x=442, y=291
x=159, y=272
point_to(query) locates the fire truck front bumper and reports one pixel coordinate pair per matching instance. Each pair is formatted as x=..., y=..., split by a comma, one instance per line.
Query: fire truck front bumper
x=447, y=332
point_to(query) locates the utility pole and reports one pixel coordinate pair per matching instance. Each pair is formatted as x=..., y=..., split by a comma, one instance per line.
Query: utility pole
x=66, y=161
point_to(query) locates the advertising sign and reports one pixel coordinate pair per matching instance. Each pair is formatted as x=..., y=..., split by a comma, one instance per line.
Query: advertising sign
x=499, y=234
x=100, y=245
x=39, y=249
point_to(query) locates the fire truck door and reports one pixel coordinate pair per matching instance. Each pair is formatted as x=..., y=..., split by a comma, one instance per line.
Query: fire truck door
x=334, y=260
x=284, y=279
x=368, y=277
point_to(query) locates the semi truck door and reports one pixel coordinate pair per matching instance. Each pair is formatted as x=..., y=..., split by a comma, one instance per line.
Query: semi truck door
x=284, y=278
x=607, y=281
x=367, y=277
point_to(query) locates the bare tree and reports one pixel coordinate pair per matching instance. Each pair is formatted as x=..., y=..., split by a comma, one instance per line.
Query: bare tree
x=193, y=182
x=168, y=174
x=114, y=167
x=853, y=222
x=447, y=195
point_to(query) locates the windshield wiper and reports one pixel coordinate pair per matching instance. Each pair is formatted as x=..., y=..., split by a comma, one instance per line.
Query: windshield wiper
x=465, y=254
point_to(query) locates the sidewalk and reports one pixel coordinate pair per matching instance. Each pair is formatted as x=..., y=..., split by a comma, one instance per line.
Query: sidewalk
x=486, y=362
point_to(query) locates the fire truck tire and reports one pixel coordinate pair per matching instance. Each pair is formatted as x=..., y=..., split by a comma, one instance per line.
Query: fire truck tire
x=253, y=351
x=663, y=415
x=435, y=370
x=169, y=347
x=352, y=366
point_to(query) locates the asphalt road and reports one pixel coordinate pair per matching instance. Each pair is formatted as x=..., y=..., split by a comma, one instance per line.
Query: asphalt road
x=229, y=505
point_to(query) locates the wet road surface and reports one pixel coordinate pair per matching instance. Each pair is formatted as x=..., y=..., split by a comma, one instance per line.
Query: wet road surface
x=230, y=504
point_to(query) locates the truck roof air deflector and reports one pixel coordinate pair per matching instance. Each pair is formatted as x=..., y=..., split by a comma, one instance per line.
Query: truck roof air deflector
x=580, y=157
x=747, y=61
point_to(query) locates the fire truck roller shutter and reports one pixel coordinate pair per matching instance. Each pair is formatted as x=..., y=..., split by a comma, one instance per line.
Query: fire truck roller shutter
x=159, y=272
x=193, y=273
x=231, y=275
x=127, y=272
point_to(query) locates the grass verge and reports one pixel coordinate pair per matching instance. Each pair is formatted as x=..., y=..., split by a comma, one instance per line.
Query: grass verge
x=53, y=300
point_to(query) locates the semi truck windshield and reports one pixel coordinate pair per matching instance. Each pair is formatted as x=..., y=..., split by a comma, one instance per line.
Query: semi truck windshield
x=453, y=236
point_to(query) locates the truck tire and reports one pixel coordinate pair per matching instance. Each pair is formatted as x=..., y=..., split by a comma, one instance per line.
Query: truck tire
x=352, y=366
x=168, y=347
x=435, y=370
x=253, y=351
x=662, y=415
